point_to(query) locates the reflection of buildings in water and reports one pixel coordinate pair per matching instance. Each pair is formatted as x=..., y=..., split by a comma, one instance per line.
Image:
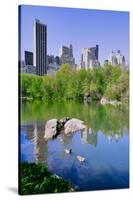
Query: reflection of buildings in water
x=89, y=136
x=109, y=138
x=116, y=136
x=28, y=129
x=65, y=139
x=35, y=133
x=40, y=147
x=124, y=131
x=113, y=137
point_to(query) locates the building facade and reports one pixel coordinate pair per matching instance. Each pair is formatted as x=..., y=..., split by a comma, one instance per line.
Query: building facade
x=40, y=47
x=113, y=58
x=53, y=64
x=116, y=59
x=89, y=57
x=120, y=59
x=28, y=58
x=66, y=55
x=106, y=62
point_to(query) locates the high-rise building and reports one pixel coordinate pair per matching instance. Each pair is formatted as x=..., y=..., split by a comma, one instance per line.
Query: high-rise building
x=40, y=47
x=106, y=62
x=113, y=58
x=28, y=58
x=120, y=59
x=89, y=57
x=57, y=60
x=117, y=58
x=66, y=55
x=50, y=59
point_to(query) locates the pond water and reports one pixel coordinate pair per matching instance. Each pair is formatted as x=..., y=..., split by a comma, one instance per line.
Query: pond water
x=104, y=144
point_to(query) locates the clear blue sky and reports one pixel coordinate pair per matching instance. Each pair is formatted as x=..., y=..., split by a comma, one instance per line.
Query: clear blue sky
x=80, y=27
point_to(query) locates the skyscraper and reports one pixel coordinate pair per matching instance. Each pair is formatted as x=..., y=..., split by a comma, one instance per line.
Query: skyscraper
x=120, y=59
x=89, y=57
x=40, y=47
x=28, y=58
x=113, y=58
x=66, y=55
x=117, y=58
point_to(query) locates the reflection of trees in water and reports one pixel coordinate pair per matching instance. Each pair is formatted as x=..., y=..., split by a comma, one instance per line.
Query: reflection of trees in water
x=107, y=118
x=112, y=121
x=35, y=133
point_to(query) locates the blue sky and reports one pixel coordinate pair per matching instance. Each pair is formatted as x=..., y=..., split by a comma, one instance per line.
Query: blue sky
x=80, y=27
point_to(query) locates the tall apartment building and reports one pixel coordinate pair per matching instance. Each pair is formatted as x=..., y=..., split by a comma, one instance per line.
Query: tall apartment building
x=66, y=55
x=120, y=59
x=116, y=58
x=89, y=57
x=28, y=58
x=51, y=59
x=113, y=58
x=40, y=47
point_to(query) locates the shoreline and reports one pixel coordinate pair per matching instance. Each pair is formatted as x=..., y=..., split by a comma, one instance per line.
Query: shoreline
x=106, y=102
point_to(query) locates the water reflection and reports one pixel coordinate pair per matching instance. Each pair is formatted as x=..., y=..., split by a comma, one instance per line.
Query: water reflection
x=104, y=144
x=35, y=133
x=89, y=136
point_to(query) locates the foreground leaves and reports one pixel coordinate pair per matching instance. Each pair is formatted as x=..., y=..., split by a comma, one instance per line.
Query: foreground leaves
x=36, y=179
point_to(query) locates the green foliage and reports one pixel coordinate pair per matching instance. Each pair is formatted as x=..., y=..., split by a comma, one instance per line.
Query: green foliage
x=36, y=179
x=67, y=84
x=94, y=90
x=118, y=85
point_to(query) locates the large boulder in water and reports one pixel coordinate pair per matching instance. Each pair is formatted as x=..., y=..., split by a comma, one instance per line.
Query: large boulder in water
x=73, y=125
x=50, y=129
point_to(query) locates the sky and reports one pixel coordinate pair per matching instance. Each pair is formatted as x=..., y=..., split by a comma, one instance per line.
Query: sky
x=80, y=27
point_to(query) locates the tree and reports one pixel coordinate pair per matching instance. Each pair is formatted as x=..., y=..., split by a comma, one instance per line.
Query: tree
x=67, y=83
x=94, y=91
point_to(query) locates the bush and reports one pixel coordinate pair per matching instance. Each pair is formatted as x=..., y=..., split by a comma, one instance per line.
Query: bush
x=36, y=179
x=66, y=84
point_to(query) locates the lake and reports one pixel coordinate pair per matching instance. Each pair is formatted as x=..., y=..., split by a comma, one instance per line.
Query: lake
x=104, y=144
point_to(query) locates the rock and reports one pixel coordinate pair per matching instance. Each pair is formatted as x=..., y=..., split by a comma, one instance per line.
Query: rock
x=73, y=125
x=104, y=101
x=80, y=158
x=50, y=129
x=68, y=151
x=65, y=125
x=115, y=102
x=87, y=98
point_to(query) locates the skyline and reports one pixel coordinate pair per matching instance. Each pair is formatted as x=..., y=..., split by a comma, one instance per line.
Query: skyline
x=61, y=32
